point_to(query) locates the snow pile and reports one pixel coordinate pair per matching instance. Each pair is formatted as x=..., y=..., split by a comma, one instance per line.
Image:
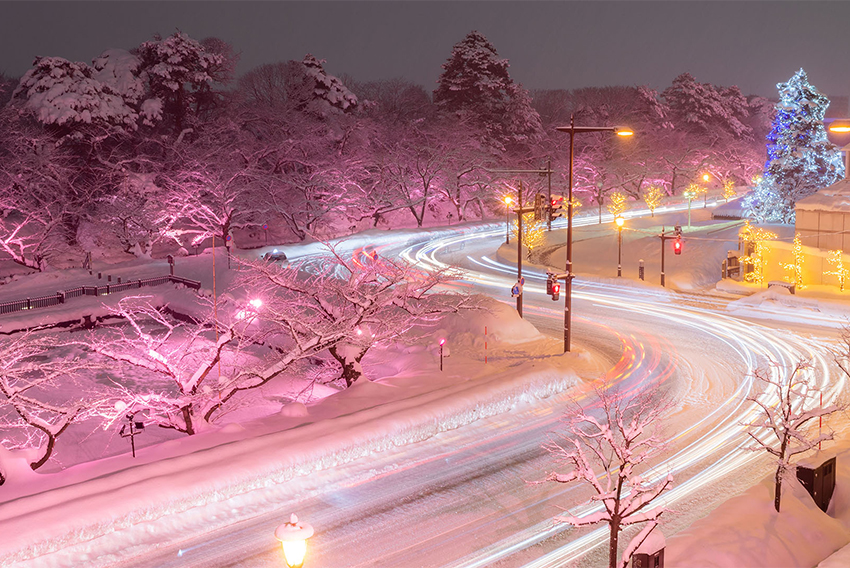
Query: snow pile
x=747, y=531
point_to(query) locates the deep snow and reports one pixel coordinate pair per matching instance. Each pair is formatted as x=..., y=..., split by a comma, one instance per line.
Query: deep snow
x=411, y=401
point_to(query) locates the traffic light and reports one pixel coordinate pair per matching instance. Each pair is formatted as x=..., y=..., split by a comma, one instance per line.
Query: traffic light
x=556, y=290
x=550, y=280
x=557, y=209
x=677, y=245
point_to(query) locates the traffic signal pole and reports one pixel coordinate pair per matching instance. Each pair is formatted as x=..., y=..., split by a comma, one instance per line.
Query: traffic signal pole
x=677, y=234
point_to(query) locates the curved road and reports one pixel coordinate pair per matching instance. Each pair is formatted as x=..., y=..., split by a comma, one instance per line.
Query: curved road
x=462, y=499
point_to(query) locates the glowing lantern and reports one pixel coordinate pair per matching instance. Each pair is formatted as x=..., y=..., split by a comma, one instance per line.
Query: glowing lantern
x=293, y=537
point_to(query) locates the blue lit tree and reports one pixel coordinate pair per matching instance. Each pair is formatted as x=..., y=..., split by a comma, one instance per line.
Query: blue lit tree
x=800, y=159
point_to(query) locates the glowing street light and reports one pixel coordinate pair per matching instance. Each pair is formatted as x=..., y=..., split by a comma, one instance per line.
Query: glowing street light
x=620, y=222
x=839, y=127
x=293, y=537
x=508, y=201
x=572, y=129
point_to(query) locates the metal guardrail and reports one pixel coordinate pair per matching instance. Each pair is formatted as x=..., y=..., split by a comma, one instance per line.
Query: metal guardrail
x=63, y=295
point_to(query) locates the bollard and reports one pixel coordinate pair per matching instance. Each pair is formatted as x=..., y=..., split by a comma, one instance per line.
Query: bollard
x=640, y=269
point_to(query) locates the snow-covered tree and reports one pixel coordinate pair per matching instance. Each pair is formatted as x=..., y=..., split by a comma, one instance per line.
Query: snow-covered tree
x=40, y=198
x=787, y=407
x=135, y=214
x=349, y=305
x=800, y=158
x=188, y=358
x=476, y=82
x=210, y=189
x=328, y=92
x=199, y=363
x=179, y=73
x=70, y=95
x=608, y=446
x=707, y=109
x=32, y=412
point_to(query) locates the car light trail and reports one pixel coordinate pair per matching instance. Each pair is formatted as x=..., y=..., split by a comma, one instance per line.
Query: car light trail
x=721, y=440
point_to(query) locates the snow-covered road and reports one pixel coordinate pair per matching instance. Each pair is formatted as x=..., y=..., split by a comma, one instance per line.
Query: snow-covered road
x=461, y=497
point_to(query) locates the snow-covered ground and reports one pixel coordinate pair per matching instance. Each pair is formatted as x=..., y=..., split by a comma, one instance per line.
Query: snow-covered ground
x=89, y=504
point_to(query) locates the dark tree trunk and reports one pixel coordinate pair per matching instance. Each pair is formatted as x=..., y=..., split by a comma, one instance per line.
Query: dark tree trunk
x=350, y=370
x=613, y=543
x=187, y=419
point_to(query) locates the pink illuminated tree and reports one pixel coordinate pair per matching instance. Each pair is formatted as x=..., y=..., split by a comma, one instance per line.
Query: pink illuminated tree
x=608, y=445
x=33, y=413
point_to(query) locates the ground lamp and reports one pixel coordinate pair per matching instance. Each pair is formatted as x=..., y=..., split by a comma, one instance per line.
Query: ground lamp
x=620, y=222
x=508, y=202
x=572, y=129
x=293, y=537
x=442, y=342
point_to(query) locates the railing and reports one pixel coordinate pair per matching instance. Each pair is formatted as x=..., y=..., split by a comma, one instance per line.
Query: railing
x=60, y=297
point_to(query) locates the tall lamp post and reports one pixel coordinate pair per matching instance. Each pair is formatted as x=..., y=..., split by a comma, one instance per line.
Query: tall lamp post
x=572, y=129
x=620, y=221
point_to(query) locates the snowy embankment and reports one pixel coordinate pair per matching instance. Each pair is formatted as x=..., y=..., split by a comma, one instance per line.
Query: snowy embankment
x=746, y=531
x=99, y=509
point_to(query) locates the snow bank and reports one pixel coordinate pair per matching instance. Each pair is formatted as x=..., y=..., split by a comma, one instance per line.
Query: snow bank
x=747, y=531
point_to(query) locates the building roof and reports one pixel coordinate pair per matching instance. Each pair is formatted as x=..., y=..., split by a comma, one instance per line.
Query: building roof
x=836, y=197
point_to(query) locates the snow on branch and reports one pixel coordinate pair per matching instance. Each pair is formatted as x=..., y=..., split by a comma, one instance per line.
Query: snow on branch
x=604, y=445
x=786, y=407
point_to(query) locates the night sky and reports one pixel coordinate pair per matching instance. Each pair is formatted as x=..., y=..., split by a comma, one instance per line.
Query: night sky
x=549, y=44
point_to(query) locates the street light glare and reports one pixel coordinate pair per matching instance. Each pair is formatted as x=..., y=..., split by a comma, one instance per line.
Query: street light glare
x=842, y=128
x=624, y=132
x=620, y=221
x=508, y=200
x=705, y=177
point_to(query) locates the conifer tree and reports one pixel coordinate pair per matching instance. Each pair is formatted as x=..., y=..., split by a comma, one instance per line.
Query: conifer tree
x=475, y=82
x=800, y=159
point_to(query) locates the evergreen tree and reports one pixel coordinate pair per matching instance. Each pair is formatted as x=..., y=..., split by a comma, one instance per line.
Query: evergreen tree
x=475, y=83
x=706, y=109
x=800, y=159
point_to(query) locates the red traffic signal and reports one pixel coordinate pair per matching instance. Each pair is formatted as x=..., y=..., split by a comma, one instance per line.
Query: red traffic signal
x=677, y=246
x=556, y=290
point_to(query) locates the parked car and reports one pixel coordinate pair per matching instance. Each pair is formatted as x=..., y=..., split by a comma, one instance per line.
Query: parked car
x=275, y=256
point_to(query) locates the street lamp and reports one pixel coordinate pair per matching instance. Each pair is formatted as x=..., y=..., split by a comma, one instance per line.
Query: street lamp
x=293, y=537
x=620, y=221
x=572, y=129
x=508, y=202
